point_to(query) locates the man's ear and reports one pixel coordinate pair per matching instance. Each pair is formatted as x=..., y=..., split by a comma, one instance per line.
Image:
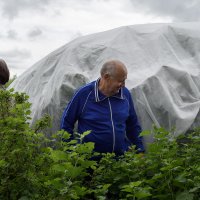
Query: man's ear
x=106, y=76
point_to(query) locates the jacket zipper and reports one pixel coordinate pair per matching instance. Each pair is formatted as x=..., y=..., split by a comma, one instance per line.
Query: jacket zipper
x=111, y=117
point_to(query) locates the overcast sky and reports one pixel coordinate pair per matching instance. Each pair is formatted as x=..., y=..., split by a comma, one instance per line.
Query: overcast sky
x=31, y=29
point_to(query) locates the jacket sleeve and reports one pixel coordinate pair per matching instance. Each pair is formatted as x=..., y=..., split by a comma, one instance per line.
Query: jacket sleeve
x=71, y=114
x=133, y=128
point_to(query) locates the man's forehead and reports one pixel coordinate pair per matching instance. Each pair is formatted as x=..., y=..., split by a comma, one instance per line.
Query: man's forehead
x=121, y=77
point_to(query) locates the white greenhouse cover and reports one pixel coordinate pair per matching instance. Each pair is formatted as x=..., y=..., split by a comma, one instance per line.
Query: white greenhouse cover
x=163, y=62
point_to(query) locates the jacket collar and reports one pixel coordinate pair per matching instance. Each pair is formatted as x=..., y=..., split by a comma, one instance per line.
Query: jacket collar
x=99, y=96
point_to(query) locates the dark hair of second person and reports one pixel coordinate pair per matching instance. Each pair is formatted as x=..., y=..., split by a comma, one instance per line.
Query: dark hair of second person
x=4, y=72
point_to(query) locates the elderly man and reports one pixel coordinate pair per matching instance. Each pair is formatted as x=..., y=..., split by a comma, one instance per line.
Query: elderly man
x=106, y=108
x=4, y=72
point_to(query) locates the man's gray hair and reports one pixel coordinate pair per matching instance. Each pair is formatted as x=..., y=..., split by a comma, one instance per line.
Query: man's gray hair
x=108, y=68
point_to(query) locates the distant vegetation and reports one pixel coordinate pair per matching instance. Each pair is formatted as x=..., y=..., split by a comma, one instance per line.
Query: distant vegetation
x=33, y=166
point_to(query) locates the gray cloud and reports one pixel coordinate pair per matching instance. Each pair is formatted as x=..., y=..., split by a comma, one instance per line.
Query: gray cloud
x=9, y=34
x=16, y=59
x=35, y=33
x=12, y=34
x=11, y=8
x=15, y=55
x=178, y=10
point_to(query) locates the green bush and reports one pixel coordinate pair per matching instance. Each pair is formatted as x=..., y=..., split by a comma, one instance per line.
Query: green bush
x=169, y=170
x=33, y=166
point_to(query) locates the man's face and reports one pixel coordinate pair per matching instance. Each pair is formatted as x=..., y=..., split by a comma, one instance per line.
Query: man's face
x=115, y=83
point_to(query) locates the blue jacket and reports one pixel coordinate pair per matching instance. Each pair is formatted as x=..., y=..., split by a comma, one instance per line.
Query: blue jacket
x=112, y=120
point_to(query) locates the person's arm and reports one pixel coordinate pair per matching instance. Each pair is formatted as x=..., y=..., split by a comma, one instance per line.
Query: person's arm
x=70, y=115
x=133, y=128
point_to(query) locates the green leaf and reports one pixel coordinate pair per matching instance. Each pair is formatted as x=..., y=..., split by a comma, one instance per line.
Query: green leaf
x=74, y=172
x=145, y=133
x=2, y=163
x=24, y=198
x=181, y=179
x=184, y=195
x=195, y=189
x=135, y=184
x=58, y=155
x=142, y=194
x=59, y=168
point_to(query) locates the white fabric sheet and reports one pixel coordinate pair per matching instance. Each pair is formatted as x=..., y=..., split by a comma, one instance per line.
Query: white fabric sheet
x=163, y=62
